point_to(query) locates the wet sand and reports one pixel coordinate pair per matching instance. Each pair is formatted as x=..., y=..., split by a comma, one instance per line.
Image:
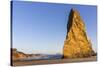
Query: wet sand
x=54, y=61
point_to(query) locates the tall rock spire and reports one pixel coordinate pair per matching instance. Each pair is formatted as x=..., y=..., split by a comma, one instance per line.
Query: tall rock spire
x=76, y=44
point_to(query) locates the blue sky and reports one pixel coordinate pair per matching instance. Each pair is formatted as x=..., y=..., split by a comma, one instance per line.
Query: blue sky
x=41, y=27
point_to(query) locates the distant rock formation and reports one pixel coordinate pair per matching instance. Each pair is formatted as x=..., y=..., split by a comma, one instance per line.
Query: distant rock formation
x=17, y=55
x=76, y=44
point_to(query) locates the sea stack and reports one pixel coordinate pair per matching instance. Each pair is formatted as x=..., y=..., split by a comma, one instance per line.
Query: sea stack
x=76, y=44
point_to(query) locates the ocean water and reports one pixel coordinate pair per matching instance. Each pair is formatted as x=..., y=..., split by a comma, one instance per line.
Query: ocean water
x=41, y=57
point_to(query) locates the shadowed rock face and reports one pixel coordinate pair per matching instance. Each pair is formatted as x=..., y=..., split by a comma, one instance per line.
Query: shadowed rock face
x=76, y=44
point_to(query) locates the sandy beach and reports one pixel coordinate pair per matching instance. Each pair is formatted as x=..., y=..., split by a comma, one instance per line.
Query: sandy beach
x=40, y=62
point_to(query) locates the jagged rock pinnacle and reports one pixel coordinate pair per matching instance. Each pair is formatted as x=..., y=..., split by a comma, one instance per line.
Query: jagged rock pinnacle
x=76, y=44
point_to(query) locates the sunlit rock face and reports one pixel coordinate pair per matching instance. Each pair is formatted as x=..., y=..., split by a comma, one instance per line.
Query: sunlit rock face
x=76, y=44
x=18, y=55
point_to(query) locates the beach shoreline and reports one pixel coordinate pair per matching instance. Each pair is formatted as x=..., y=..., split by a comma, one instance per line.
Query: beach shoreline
x=53, y=61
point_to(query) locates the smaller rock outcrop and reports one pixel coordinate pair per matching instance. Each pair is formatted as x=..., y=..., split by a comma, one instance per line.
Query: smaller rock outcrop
x=17, y=55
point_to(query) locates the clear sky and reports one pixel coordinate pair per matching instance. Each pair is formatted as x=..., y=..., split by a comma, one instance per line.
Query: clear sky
x=41, y=27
